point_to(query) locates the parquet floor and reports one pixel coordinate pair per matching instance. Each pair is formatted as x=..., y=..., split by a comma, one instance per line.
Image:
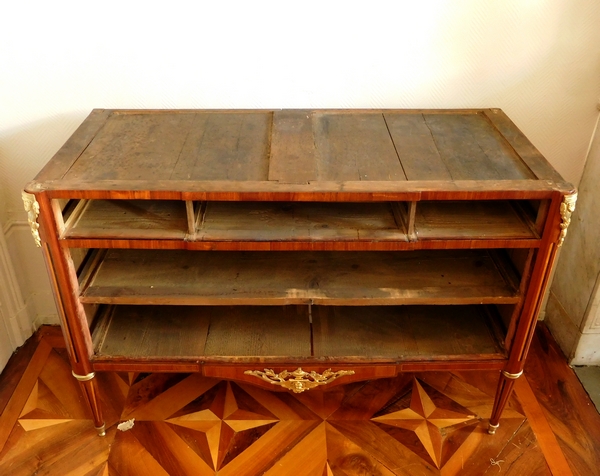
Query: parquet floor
x=184, y=424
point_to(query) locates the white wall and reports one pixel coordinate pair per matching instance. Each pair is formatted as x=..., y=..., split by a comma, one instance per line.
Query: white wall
x=573, y=311
x=539, y=60
x=15, y=318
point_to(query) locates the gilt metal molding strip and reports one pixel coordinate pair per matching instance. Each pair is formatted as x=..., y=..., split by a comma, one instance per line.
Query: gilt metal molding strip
x=567, y=207
x=32, y=207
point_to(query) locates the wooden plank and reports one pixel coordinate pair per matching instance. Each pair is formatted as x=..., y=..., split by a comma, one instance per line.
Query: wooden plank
x=173, y=453
x=472, y=150
x=269, y=448
x=499, y=153
x=317, y=221
x=346, y=456
x=191, y=217
x=58, y=166
x=321, y=191
x=376, y=452
x=504, y=128
x=18, y=362
x=399, y=210
x=294, y=156
x=150, y=219
x=17, y=401
x=566, y=406
x=490, y=219
x=226, y=146
x=355, y=147
x=411, y=217
x=355, y=331
x=416, y=148
x=403, y=332
x=134, y=147
x=361, y=278
x=534, y=160
x=150, y=331
x=128, y=456
x=61, y=389
x=314, y=445
x=167, y=332
x=74, y=448
x=259, y=331
x=541, y=215
x=547, y=440
x=301, y=245
x=70, y=448
x=67, y=217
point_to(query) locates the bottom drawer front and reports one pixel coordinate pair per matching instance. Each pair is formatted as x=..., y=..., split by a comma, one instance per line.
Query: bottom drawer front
x=299, y=379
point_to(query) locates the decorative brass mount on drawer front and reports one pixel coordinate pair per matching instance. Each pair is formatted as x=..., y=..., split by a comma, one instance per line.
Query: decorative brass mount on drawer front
x=298, y=381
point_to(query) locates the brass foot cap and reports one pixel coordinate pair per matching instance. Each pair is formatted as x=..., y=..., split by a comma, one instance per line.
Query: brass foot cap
x=101, y=430
x=492, y=428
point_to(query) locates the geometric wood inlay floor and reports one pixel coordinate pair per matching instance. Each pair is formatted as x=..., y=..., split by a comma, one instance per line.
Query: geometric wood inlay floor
x=430, y=423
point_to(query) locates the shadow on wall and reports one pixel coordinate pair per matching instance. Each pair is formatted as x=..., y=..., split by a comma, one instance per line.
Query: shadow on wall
x=24, y=150
x=523, y=58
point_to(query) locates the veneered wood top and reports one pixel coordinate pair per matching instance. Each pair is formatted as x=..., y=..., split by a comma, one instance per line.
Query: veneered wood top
x=325, y=150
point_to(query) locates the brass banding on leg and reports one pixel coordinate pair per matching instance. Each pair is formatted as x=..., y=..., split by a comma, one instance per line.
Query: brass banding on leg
x=512, y=376
x=101, y=430
x=84, y=378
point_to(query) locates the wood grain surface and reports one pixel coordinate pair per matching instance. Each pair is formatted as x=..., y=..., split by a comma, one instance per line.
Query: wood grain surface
x=238, y=334
x=354, y=278
x=280, y=194
x=427, y=424
x=299, y=146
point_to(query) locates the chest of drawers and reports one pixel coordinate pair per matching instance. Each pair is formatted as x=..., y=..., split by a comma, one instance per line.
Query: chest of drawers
x=298, y=248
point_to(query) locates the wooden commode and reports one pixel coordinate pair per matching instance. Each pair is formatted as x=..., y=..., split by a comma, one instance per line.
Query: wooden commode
x=292, y=249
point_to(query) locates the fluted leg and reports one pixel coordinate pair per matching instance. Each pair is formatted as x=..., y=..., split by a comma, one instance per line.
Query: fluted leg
x=505, y=386
x=89, y=386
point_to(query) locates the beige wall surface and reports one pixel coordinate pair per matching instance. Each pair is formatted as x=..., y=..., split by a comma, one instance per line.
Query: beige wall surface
x=539, y=60
x=573, y=311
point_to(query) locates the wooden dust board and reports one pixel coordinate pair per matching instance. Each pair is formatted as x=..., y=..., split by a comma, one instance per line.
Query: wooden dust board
x=144, y=331
x=170, y=332
x=158, y=219
x=470, y=219
x=246, y=333
x=315, y=221
x=278, y=278
x=404, y=332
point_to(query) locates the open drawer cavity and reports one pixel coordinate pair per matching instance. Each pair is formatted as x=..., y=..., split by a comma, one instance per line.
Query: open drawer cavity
x=250, y=221
x=296, y=277
x=305, y=333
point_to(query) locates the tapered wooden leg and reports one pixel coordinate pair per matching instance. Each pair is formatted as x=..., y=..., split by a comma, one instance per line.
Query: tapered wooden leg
x=505, y=386
x=89, y=386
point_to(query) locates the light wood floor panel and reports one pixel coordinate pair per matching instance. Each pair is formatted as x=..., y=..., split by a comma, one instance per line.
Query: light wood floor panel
x=431, y=423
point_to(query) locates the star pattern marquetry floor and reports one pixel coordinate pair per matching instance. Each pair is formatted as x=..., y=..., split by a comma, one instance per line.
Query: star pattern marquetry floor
x=185, y=424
